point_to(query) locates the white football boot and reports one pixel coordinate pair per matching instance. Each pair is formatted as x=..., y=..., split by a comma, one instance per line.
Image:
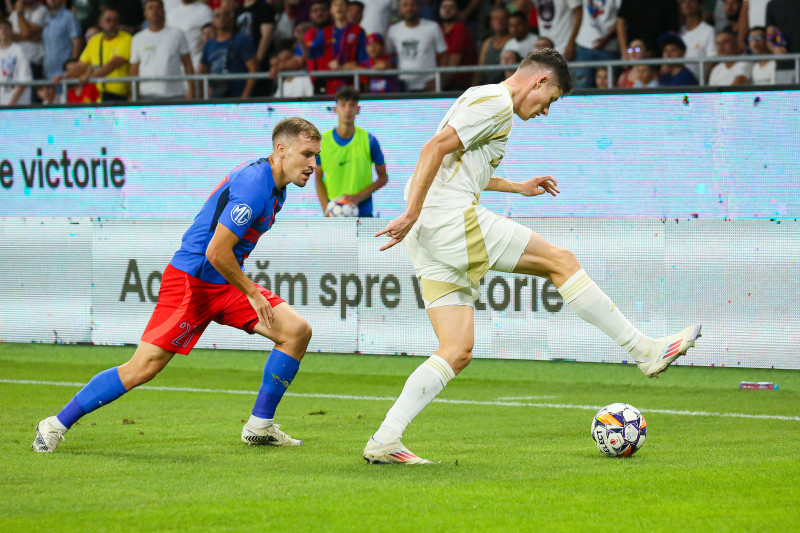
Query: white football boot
x=666, y=349
x=48, y=435
x=271, y=435
x=391, y=453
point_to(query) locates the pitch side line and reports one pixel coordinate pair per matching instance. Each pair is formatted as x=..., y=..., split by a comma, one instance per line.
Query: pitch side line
x=437, y=400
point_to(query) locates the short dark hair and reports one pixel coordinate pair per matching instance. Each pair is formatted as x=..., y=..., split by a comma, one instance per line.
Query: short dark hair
x=291, y=128
x=347, y=94
x=728, y=30
x=757, y=28
x=553, y=61
x=356, y=3
x=518, y=15
x=148, y=1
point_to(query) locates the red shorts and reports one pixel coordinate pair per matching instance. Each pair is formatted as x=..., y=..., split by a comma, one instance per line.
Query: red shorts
x=186, y=305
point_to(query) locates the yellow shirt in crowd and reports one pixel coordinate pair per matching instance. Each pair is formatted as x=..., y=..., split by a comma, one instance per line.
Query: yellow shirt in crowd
x=118, y=46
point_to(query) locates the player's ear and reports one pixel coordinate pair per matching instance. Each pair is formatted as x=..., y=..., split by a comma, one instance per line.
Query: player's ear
x=542, y=82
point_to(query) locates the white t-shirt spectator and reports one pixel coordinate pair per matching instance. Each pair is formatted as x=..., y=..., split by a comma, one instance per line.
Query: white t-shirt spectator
x=190, y=18
x=699, y=43
x=764, y=75
x=598, y=19
x=556, y=20
x=14, y=66
x=723, y=76
x=520, y=47
x=377, y=14
x=297, y=87
x=159, y=54
x=34, y=51
x=416, y=47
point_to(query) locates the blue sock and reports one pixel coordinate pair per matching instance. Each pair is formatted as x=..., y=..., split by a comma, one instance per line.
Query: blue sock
x=278, y=375
x=104, y=388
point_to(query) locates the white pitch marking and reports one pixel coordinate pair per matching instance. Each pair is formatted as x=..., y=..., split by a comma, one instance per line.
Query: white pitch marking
x=542, y=397
x=438, y=400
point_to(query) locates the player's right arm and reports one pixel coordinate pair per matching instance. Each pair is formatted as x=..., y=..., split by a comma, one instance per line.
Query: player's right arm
x=430, y=159
x=220, y=254
x=322, y=191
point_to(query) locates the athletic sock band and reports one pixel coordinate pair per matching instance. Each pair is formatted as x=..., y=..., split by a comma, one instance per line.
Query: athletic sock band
x=575, y=285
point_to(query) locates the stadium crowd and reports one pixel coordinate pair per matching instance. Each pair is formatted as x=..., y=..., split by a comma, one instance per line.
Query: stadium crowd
x=93, y=39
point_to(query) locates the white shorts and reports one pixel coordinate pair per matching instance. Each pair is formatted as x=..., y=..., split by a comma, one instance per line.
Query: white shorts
x=452, y=249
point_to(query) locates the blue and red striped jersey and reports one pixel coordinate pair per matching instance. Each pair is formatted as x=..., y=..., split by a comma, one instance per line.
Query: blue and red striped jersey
x=246, y=202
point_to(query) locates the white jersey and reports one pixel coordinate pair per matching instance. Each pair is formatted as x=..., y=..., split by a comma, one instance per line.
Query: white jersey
x=482, y=118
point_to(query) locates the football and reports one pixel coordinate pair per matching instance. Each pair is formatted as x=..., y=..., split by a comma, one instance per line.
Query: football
x=619, y=430
x=341, y=208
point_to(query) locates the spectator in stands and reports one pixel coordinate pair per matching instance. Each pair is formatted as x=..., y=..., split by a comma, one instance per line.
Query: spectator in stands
x=601, y=78
x=27, y=22
x=785, y=15
x=84, y=93
x=643, y=76
x=729, y=72
x=229, y=53
x=47, y=94
x=256, y=20
x=492, y=46
x=355, y=12
x=14, y=66
x=319, y=15
x=753, y=13
x=461, y=49
x=522, y=40
x=354, y=146
x=286, y=21
x=512, y=59
x=763, y=72
x=62, y=38
x=418, y=43
x=544, y=42
x=160, y=51
x=636, y=50
x=295, y=86
x=190, y=17
x=645, y=20
x=106, y=56
x=732, y=10
x=672, y=46
x=469, y=12
x=596, y=39
x=698, y=36
x=337, y=46
x=379, y=60
x=377, y=14
x=560, y=20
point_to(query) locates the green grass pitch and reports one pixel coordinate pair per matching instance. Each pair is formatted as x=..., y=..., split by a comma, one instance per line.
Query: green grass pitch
x=171, y=460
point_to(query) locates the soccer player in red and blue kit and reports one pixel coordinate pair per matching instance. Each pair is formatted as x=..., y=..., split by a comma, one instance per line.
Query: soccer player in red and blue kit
x=205, y=281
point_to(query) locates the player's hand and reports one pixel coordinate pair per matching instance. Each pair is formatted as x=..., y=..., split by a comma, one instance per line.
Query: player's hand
x=351, y=199
x=539, y=185
x=397, y=229
x=263, y=309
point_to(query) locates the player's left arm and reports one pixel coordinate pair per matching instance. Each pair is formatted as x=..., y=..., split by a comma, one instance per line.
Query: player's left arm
x=430, y=159
x=220, y=254
x=530, y=187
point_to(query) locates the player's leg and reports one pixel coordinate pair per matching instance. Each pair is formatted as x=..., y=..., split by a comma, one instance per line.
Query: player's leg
x=454, y=327
x=102, y=389
x=291, y=334
x=588, y=301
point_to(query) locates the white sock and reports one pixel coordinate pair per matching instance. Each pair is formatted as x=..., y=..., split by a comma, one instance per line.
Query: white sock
x=420, y=389
x=259, y=423
x=58, y=425
x=593, y=305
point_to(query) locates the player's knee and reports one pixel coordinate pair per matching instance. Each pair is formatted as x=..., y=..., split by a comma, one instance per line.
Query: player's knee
x=566, y=262
x=298, y=332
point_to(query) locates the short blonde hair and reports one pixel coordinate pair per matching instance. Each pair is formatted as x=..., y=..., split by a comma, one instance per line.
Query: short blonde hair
x=290, y=128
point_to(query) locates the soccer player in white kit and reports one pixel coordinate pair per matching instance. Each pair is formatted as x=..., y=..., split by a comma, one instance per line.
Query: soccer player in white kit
x=453, y=241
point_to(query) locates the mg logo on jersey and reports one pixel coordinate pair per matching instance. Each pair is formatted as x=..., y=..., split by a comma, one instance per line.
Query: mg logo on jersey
x=241, y=214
